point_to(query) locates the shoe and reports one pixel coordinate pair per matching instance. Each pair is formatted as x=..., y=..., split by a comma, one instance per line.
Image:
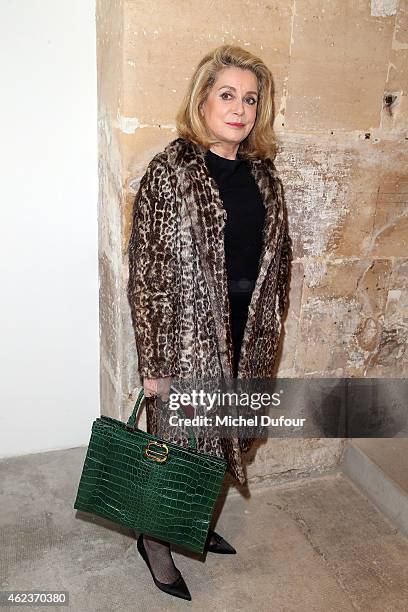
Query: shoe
x=178, y=588
x=220, y=546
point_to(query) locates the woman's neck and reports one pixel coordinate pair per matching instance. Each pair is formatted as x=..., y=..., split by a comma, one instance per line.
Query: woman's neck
x=222, y=151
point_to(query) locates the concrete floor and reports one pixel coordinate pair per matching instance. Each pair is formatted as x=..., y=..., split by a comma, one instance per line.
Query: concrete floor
x=313, y=545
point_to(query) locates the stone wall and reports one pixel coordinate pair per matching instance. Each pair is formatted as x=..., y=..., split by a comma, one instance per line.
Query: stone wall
x=340, y=73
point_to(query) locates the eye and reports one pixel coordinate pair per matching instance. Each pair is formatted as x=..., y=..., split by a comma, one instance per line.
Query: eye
x=253, y=101
x=225, y=93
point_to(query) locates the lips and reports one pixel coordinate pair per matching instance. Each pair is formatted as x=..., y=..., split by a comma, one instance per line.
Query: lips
x=240, y=125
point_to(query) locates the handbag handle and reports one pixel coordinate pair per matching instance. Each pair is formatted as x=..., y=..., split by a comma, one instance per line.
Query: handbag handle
x=131, y=422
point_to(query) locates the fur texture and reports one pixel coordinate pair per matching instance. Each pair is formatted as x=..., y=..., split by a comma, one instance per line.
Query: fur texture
x=177, y=287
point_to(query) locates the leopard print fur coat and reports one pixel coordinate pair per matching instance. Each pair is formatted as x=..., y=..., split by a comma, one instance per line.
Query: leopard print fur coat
x=177, y=287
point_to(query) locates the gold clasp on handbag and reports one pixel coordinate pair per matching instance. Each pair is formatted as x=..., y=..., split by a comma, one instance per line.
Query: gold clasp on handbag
x=151, y=453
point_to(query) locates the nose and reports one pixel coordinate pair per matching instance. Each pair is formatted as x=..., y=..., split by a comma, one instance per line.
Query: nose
x=239, y=107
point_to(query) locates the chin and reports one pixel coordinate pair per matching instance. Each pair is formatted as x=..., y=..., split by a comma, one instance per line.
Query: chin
x=230, y=138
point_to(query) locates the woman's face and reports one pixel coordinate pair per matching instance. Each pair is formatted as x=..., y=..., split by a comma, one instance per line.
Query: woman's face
x=230, y=108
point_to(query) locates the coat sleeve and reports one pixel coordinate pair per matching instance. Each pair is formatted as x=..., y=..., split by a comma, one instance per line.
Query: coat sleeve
x=285, y=257
x=154, y=272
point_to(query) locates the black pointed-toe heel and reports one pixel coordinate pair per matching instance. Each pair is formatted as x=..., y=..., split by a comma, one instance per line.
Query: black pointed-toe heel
x=220, y=546
x=178, y=588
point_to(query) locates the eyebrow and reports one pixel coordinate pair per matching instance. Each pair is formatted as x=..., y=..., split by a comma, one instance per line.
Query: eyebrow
x=230, y=87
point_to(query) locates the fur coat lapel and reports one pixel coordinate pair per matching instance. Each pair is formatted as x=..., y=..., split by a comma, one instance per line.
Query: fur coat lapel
x=208, y=218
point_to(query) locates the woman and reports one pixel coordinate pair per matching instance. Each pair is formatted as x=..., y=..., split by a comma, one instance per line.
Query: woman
x=209, y=255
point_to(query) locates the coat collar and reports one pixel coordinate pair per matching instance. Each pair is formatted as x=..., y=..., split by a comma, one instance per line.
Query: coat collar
x=201, y=195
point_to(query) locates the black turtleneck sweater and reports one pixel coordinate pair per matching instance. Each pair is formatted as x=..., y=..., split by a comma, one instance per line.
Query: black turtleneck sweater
x=243, y=236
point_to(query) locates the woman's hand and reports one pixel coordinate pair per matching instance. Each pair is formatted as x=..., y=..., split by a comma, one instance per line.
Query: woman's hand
x=157, y=387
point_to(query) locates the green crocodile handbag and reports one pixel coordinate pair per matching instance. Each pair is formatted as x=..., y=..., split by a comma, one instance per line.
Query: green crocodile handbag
x=155, y=487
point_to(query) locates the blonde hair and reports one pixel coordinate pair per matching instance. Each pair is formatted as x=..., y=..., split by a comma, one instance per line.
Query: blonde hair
x=261, y=142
